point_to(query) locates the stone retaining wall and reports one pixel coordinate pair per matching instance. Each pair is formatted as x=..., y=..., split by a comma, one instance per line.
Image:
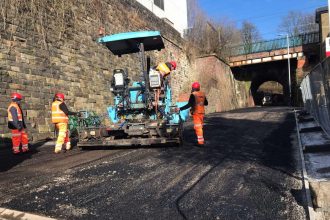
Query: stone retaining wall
x=41, y=57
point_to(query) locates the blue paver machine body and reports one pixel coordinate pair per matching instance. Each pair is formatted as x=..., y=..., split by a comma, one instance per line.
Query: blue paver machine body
x=138, y=115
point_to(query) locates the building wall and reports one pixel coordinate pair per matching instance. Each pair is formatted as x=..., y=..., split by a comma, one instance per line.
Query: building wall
x=324, y=32
x=175, y=11
x=322, y=18
x=324, y=25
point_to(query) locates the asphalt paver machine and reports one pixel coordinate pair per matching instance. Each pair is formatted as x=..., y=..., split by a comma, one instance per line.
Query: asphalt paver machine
x=143, y=112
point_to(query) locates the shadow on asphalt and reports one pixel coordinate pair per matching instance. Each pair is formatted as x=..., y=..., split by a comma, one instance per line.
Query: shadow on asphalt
x=92, y=148
x=9, y=160
x=242, y=141
x=239, y=139
x=297, y=195
x=264, y=150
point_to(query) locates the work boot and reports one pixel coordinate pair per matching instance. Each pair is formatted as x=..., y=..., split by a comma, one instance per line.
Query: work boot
x=58, y=149
x=25, y=149
x=200, y=144
x=68, y=146
x=16, y=152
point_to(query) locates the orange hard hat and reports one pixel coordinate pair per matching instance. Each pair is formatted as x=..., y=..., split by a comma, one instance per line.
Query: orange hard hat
x=60, y=96
x=173, y=64
x=16, y=95
x=196, y=85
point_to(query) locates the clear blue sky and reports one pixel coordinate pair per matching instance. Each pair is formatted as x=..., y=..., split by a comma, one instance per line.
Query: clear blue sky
x=265, y=14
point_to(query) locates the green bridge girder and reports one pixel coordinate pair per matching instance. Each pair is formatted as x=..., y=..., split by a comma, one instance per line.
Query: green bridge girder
x=276, y=44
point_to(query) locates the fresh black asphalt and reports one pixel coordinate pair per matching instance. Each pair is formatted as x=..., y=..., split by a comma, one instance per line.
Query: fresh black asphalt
x=249, y=169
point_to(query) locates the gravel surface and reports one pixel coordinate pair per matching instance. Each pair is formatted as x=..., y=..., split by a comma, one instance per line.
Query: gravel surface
x=249, y=169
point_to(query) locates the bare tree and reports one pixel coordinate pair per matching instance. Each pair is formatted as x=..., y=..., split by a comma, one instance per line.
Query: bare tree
x=229, y=35
x=296, y=22
x=249, y=34
x=193, y=11
x=209, y=36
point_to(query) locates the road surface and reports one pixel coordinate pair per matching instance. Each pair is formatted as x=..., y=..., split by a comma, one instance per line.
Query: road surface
x=249, y=169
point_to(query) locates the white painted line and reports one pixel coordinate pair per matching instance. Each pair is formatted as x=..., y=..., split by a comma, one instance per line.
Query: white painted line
x=13, y=214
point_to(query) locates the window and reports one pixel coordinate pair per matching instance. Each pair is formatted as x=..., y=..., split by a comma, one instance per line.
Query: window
x=159, y=3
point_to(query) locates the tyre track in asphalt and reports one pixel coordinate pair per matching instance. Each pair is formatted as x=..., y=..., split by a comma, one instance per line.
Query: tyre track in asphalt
x=179, y=183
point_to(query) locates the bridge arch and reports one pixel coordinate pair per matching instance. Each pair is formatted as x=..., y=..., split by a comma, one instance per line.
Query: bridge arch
x=258, y=74
x=271, y=87
x=258, y=94
x=247, y=63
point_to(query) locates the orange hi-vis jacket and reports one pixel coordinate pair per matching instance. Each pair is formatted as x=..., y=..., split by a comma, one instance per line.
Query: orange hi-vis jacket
x=58, y=116
x=199, y=103
x=18, y=109
x=163, y=68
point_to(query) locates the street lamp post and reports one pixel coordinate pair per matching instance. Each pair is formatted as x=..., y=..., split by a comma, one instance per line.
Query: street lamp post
x=289, y=70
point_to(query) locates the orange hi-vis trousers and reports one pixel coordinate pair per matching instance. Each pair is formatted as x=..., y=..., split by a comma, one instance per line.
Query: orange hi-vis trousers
x=18, y=138
x=198, y=126
x=63, y=137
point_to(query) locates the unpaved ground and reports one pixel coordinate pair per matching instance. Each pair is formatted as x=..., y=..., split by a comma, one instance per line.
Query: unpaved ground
x=249, y=169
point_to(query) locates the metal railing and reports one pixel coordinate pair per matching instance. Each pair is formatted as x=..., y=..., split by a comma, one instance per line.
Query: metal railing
x=316, y=93
x=276, y=44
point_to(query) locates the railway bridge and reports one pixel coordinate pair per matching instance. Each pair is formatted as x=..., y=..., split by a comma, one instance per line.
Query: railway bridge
x=265, y=61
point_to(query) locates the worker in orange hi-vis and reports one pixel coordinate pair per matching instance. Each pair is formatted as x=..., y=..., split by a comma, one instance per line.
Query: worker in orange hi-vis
x=197, y=101
x=17, y=124
x=60, y=118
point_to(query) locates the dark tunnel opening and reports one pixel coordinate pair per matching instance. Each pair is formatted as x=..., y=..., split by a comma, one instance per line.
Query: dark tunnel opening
x=275, y=72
